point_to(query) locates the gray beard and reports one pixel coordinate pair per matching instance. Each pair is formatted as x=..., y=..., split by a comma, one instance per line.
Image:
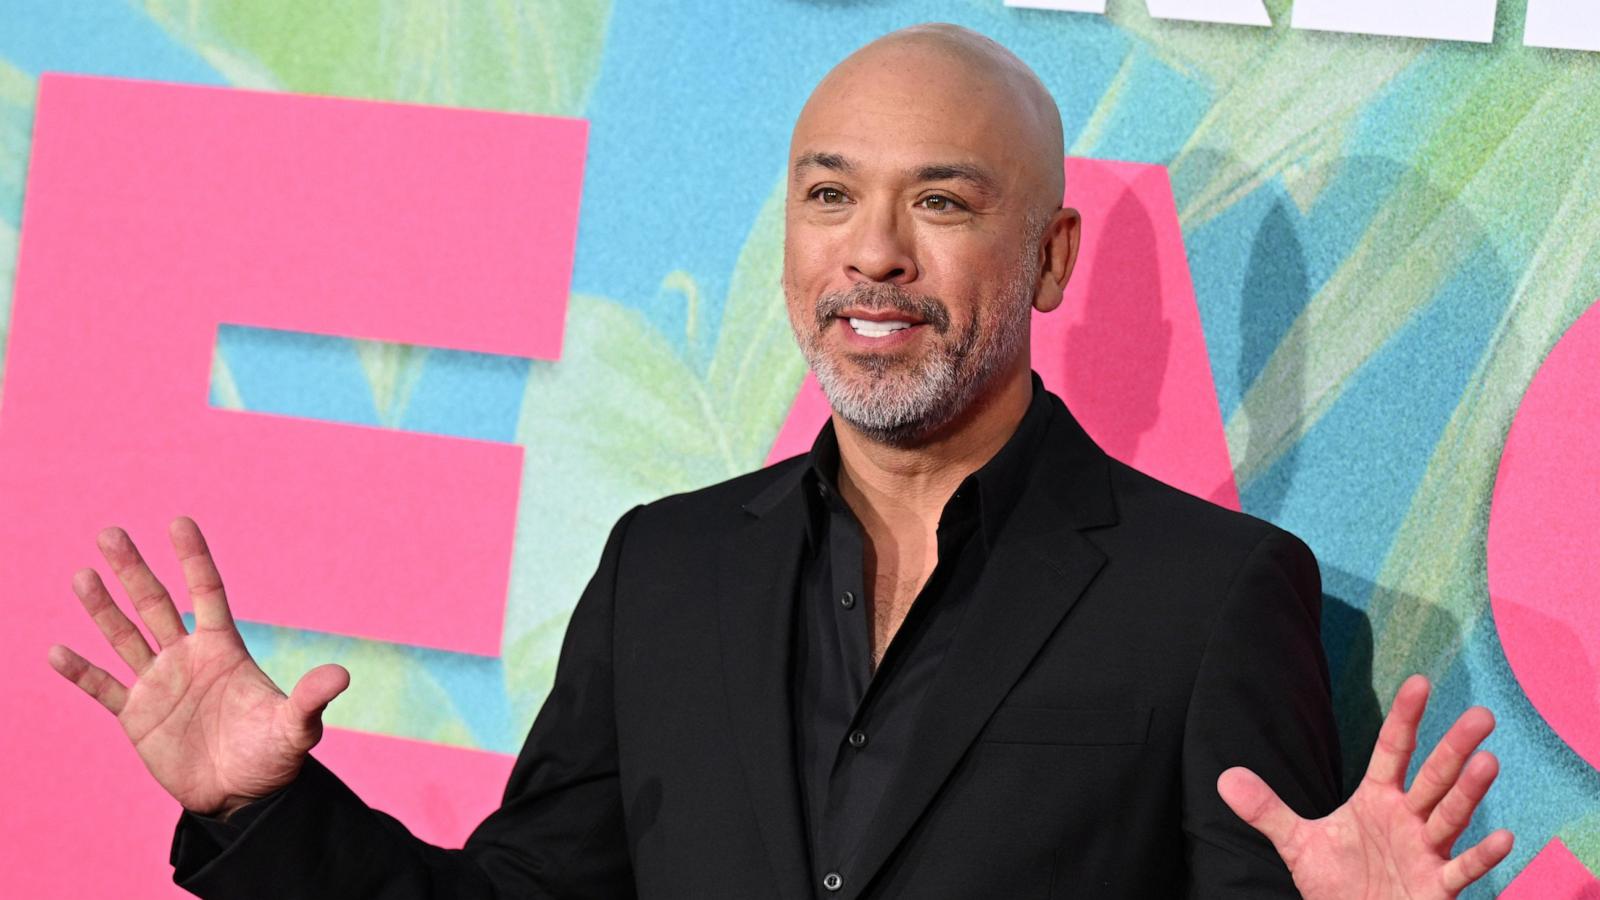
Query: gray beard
x=897, y=403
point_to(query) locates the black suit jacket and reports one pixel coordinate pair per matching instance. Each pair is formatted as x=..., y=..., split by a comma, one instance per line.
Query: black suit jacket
x=1126, y=643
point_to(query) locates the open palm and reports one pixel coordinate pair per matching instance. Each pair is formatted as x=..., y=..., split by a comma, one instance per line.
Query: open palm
x=1388, y=842
x=212, y=728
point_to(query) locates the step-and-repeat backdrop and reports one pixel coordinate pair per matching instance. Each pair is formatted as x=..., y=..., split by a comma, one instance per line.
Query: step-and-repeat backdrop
x=405, y=301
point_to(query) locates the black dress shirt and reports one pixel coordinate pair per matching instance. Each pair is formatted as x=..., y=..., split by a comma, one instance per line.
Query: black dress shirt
x=853, y=725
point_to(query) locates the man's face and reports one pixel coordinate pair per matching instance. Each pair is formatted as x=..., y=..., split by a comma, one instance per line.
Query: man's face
x=910, y=257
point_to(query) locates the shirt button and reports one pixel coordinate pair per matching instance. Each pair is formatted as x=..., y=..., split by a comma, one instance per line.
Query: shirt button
x=858, y=739
x=832, y=881
x=847, y=600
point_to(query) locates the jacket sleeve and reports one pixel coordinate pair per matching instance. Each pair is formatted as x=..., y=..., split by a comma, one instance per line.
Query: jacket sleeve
x=558, y=833
x=1262, y=700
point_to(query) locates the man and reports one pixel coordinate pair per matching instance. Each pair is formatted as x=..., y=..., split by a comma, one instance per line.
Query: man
x=955, y=651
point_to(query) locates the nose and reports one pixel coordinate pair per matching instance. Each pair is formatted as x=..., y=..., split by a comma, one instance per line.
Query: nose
x=881, y=250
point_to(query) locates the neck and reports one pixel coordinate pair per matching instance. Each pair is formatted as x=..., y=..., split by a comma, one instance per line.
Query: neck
x=886, y=484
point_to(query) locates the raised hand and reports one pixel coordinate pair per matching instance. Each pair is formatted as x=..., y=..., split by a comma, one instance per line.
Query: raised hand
x=212, y=728
x=1386, y=841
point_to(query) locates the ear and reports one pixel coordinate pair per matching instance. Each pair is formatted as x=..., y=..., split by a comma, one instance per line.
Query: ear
x=1058, y=252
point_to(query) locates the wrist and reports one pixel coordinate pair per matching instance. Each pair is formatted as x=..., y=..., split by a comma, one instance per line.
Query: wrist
x=237, y=811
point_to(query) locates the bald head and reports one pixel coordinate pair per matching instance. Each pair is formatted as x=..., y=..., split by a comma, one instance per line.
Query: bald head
x=967, y=84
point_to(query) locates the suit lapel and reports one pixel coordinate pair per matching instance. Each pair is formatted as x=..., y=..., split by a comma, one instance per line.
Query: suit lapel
x=758, y=579
x=1036, y=570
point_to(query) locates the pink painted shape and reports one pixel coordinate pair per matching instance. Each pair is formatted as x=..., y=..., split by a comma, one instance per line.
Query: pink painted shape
x=1126, y=350
x=1555, y=874
x=439, y=793
x=807, y=415
x=154, y=213
x=1544, y=574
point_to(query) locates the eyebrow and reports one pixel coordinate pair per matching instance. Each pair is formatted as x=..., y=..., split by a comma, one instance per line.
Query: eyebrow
x=977, y=176
x=832, y=161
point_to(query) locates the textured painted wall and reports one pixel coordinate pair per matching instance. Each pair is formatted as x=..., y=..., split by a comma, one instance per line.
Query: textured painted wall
x=1386, y=238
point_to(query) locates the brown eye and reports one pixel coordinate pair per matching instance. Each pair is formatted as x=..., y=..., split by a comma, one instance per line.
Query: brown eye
x=939, y=203
x=828, y=196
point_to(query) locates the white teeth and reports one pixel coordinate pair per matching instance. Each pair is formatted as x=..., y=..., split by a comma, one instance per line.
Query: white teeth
x=869, y=328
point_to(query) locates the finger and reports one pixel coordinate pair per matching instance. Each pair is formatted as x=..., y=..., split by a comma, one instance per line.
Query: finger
x=1443, y=766
x=201, y=577
x=95, y=681
x=1475, y=863
x=150, y=600
x=1398, y=736
x=119, y=632
x=1451, y=816
x=311, y=695
x=1253, y=801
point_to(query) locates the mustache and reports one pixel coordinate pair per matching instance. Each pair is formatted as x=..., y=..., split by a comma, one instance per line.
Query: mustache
x=882, y=298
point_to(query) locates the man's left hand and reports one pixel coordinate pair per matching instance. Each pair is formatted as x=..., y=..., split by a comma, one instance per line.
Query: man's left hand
x=1386, y=841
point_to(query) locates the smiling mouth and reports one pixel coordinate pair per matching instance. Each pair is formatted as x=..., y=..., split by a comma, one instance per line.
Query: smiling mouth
x=878, y=313
x=878, y=329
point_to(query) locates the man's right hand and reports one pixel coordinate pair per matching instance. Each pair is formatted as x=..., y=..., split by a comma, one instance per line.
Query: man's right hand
x=212, y=728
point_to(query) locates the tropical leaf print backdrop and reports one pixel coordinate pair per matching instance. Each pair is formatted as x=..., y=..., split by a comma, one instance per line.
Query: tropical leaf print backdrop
x=1386, y=236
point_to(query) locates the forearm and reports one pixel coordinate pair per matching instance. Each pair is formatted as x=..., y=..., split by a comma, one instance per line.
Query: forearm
x=317, y=839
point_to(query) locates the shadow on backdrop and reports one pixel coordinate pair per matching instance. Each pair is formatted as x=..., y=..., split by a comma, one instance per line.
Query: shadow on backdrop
x=1116, y=356
x=1274, y=294
x=1347, y=636
x=1347, y=639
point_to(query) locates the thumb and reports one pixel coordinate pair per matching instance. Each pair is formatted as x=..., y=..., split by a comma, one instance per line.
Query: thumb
x=311, y=695
x=1253, y=801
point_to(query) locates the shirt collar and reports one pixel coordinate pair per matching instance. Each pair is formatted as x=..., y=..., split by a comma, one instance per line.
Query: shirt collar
x=994, y=488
